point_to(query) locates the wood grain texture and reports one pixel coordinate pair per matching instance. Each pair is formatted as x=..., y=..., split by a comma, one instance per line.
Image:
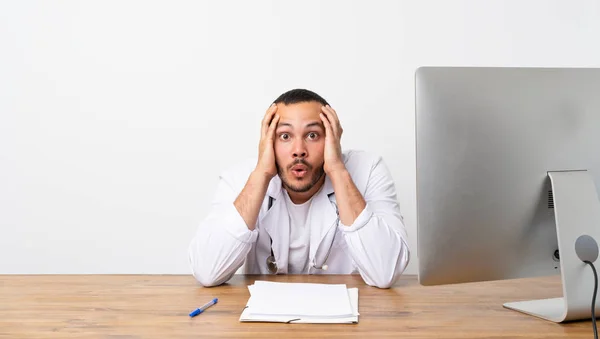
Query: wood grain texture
x=151, y=306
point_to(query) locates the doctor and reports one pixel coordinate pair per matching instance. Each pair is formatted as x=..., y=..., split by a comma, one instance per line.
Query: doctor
x=305, y=207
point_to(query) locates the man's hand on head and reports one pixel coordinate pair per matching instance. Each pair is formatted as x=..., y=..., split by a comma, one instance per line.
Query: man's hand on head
x=349, y=200
x=250, y=198
x=266, y=152
x=333, y=134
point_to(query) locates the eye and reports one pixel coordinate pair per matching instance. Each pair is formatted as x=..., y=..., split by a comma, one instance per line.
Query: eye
x=312, y=135
x=284, y=136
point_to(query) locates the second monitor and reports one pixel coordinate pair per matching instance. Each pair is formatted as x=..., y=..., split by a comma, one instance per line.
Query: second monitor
x=508, y=165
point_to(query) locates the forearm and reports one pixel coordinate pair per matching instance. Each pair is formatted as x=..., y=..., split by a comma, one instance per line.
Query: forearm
x=214, y=254
x=382, y=263
x=250, y=198
x=350, y=201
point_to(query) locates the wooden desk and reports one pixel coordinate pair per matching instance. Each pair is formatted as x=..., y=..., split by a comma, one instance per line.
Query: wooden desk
x=133, y=306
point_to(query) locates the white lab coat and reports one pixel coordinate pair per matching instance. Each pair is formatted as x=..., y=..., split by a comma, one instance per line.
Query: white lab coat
x=375, y=245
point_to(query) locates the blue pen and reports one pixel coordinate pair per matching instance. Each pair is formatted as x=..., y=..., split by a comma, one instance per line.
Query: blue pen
x=203, y=308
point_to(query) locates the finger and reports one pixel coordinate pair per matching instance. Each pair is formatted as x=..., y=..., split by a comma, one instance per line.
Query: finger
x=328, y=131
x=268, y=118
x=330, y=113
x=338, y=124
x=273, y=126
x=334, y=113
x=335, y=125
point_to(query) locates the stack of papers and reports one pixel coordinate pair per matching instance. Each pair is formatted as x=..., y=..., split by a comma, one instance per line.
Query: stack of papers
x=301, y=303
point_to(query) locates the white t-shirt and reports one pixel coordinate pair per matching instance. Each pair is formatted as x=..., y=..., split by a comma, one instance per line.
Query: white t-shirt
x=298, y=256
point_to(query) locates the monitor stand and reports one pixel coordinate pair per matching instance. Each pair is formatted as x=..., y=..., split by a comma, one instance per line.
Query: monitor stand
x=577, y=212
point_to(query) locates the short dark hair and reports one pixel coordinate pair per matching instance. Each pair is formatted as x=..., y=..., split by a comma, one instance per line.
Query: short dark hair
x=298, y=95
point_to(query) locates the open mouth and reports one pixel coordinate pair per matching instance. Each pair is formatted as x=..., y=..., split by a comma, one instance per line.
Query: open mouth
x=299, y=171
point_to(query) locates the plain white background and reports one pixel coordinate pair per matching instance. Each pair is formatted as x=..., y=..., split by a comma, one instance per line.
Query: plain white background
x=117, y=116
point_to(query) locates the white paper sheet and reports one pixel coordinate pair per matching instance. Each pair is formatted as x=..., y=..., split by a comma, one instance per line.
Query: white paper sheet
x=301, y=303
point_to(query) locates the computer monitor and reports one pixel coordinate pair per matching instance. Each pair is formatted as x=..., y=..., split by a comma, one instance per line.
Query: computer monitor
x=508, y=170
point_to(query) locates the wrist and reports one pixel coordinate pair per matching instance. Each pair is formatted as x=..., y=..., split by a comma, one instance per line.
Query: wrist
x=261, y=176
x=337, y=171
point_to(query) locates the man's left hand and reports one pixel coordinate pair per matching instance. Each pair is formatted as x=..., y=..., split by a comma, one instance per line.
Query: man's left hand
x=333, y=135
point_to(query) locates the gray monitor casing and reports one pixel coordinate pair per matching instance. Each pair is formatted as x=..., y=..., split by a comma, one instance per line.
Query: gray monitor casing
x=486, y=140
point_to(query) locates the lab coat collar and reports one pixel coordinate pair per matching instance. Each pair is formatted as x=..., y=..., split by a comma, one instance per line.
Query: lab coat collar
x=276, y=223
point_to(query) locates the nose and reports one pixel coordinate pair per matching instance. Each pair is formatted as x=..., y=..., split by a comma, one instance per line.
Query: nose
x=299, y=150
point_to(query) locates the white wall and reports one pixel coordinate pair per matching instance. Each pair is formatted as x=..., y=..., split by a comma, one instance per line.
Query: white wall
x=117, y=116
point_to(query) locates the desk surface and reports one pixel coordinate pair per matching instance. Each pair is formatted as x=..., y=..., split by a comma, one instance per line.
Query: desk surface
x=142, y=306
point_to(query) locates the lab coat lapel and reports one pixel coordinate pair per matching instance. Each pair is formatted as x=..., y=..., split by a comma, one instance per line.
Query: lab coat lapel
x=276, y=223
x=323, y=222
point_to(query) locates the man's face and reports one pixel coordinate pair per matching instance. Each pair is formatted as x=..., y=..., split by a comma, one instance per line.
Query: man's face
x=299, y=145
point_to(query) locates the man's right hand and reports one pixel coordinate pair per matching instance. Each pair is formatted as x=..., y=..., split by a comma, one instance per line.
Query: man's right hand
x=251, y=197
x=266, y=151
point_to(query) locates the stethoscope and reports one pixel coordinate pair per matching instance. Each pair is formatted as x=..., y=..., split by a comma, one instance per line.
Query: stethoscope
x=272, y=264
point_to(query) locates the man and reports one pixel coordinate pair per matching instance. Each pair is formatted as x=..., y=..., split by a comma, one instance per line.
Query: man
x=305, y=207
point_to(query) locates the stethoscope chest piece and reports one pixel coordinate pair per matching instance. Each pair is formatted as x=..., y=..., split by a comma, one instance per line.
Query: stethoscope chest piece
x=271, y=264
